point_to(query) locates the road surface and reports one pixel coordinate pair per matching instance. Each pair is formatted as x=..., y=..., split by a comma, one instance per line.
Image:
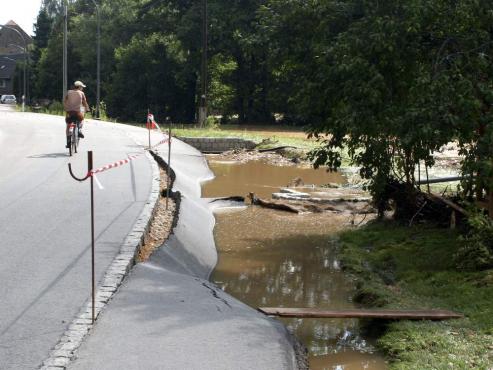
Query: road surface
x=45, y=225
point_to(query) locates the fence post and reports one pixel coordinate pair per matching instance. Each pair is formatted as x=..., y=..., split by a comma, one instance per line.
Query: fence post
x=169, y=164
x=490, y=195
x=149, y=129
x=93, y=276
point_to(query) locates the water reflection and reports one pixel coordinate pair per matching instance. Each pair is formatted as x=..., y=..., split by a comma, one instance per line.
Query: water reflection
x=273, y=258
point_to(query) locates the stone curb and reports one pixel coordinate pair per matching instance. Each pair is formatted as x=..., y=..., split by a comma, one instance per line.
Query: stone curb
x=65, y=350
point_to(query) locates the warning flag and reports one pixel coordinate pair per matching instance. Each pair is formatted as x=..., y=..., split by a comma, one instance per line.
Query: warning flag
x=151, y=124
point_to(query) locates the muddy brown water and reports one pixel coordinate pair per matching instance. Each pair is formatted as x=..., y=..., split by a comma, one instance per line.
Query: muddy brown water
x=273, y=258
x=263, y=179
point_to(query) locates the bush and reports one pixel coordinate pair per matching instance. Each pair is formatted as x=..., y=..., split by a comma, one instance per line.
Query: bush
x=56, y=107
x=212, y=123
x=477, y=251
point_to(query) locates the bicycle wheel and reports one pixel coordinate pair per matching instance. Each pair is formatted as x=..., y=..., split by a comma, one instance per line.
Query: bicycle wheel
x=74, y=140
x=77, y=136
x=69, y=139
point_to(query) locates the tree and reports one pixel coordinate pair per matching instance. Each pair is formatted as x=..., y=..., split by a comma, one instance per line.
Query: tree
x=392, y=82
x=149, y=75
x=42, y=32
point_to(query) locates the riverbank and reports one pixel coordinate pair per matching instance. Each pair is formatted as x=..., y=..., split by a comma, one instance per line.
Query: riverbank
x=167, y=312
x=413, y=267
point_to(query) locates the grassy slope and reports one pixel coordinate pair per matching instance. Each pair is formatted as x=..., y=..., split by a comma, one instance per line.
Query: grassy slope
x=399, y=267
x=277, y=137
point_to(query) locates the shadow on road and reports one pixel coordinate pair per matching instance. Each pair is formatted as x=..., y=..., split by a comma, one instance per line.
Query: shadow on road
x=50, y=155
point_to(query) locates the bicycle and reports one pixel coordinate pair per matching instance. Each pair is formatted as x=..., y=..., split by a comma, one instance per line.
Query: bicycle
x=73, y=136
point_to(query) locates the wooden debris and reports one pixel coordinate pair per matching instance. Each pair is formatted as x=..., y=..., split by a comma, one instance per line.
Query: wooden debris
x=307, y=205
x=436, y=197
x=354, y=313
x=276, y=149
x=273, y=205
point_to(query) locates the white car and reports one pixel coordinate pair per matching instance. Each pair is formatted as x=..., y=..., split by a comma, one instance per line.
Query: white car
x=8, y=99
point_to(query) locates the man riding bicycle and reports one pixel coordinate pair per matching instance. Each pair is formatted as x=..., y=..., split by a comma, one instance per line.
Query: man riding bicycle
x=75, y=104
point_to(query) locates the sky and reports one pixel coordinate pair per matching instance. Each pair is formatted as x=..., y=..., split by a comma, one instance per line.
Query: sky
x=22, y=12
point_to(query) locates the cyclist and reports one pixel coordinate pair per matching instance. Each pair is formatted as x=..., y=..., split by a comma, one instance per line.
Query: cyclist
x=75, y=104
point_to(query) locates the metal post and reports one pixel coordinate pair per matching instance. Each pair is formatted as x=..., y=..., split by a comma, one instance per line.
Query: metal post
x=25, y=84
x=149, y=128
x=28, y=90
x=169, y=165
x=65, y=56
x=98, y=88
x=93, y=273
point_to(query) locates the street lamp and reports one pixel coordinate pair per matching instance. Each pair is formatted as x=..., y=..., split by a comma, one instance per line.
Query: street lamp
x=65, y=56
x=98, y=59
x=25, y=58
x=203, y=95
x=25, y=52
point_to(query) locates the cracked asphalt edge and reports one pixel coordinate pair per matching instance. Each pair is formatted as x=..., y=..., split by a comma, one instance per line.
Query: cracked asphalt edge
x=65, y=350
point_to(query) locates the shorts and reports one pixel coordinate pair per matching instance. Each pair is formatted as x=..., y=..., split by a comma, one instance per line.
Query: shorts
x=74, y=116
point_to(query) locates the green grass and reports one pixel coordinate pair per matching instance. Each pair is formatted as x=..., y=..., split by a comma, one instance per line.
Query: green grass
x=281, y=136
x=400, y=267
x=265, y=136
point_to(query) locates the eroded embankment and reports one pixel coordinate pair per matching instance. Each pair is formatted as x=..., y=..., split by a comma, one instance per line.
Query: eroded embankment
x=167, y=312
x=416, y=268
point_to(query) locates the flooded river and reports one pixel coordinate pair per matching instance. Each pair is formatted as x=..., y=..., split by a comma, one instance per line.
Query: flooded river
x=273, y=258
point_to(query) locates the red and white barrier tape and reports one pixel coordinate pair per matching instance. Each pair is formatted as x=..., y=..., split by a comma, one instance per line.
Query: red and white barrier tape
x=119, y=163
x=110, y=166
x=150, y=120
x=115, y=164
x=159, y=128
x=167, y=139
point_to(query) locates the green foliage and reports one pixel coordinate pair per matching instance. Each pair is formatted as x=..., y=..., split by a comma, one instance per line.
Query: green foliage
x=435, y=346
x=148, y=75
x=389, y=82
x=212, y=123
x=221, y=91
x=476, y=252
x=56, y=107
x=273, y=139
x=48, y=82
x=42, y=31
x=420, y=264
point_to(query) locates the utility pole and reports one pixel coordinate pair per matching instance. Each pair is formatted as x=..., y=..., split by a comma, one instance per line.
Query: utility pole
x=65, y=31
x=24, y=67
x=24, y=96
x=98, y=88
x=203, y=94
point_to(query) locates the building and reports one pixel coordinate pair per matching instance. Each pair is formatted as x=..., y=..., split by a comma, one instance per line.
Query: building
x=12, y=50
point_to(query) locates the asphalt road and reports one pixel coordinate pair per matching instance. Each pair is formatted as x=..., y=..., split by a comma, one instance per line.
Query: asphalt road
x=45, y=225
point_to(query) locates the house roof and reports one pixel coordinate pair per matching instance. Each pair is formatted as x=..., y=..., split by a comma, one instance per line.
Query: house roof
x=9, y=36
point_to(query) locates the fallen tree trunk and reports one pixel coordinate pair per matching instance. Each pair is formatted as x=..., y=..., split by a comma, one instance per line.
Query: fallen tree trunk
x=273, y=205
x=276, y=149
x=454, y=206
x=305, y=206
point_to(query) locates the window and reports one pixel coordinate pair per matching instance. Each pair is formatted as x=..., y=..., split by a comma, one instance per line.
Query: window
x=3, y=83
